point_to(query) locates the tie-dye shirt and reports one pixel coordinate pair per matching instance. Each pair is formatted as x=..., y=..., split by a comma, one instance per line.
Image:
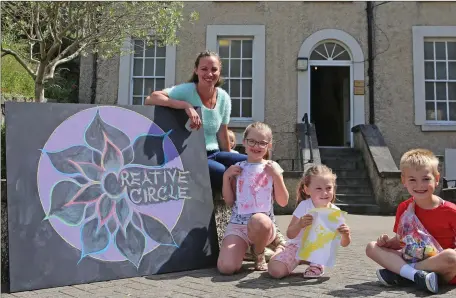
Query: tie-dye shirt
x=254, y=191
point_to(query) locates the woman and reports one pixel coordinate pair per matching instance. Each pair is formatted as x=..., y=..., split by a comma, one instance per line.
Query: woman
x=203, y=91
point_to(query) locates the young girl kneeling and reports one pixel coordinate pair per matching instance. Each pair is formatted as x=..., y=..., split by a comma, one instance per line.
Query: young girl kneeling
x=316, y=190
x=250, y=187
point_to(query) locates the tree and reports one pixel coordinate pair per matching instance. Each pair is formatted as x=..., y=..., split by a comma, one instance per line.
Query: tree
x=48, y=34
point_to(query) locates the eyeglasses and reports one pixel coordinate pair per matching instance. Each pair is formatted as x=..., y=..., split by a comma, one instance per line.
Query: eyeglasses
x=261, y=144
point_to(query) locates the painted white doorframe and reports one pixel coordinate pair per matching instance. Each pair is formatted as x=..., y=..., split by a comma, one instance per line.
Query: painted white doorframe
x=356, y=72
x=336, y=64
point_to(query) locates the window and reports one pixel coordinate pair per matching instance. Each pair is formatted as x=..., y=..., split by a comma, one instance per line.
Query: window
x=434, y=63
x=440, y=80
x=147, y=69
x=242, y=51
x=330, y=51
x=236, y=55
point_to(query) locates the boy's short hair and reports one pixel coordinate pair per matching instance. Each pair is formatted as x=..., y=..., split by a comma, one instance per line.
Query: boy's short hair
x=419, y=158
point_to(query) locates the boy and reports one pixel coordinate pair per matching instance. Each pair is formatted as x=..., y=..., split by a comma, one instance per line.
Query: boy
x=419, y=174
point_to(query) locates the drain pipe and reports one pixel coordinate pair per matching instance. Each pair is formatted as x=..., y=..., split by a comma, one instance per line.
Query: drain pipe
x=370, y=53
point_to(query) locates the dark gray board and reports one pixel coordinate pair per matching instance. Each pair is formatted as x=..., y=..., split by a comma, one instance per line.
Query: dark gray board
x=41, y=258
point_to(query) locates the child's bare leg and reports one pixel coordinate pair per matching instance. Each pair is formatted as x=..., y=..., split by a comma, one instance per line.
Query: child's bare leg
x=387, y=258
x=392, y=260
x=259, y=229
x=231, y=254
x=444, y=264
x=277, y=269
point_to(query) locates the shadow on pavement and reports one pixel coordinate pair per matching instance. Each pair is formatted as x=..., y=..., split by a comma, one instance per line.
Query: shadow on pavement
x=373, y=288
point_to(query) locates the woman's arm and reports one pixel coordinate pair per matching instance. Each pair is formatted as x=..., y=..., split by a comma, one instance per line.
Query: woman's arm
x=224, y=139
x=161, y=98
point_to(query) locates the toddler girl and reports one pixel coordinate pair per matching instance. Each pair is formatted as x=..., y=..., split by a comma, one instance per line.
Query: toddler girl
x=232, y=138
x=250, y=187
x=316, y=189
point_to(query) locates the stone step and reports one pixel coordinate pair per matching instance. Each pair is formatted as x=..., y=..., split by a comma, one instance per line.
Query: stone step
x=354, y=181
x=341, y=164
x=354, y=198
x=364, y=209
x=354, y=189
x=350, y=174
x=338, y=151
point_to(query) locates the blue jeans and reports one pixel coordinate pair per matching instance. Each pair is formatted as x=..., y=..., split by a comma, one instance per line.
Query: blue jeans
x=219, y=162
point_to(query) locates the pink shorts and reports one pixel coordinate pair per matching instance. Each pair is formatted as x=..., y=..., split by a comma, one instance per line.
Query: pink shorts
x=241, y=231
x=288, y=256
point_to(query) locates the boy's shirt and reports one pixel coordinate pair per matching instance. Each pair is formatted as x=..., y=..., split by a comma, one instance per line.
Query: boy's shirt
x=440, y=222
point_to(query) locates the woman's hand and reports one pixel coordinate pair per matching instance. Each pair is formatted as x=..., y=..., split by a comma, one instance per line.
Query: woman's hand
x=194, y=117
x=305, y=221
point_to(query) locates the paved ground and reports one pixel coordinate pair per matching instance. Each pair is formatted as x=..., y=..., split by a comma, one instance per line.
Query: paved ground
x=354, y=276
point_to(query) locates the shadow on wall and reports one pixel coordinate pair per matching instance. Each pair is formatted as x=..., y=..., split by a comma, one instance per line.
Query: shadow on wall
x=195, y=241
x=179, y=136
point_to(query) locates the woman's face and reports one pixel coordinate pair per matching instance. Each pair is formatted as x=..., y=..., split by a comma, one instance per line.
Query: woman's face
x=208, y=70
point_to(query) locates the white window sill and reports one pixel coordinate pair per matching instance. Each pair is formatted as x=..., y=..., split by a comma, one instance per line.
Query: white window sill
x=438, y=127
x=240, y=123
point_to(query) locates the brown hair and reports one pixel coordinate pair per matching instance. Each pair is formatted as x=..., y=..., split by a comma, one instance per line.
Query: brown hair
x=263, y=127
x=419, y=158
x=315, y=170
x=194, y=77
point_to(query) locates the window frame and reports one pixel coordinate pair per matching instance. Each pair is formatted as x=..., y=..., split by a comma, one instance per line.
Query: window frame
x=125, y=90
x=258, y=32
x=420, y=34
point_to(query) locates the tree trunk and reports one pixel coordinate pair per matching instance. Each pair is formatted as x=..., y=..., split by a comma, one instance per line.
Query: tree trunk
x=39, y=83
x=39, y=92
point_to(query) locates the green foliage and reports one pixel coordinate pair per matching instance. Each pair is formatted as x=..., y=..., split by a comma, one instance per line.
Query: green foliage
x=51, y=33
x=15, y=78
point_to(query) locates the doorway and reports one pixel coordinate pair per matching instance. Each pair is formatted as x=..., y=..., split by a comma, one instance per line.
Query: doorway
x=330, y=105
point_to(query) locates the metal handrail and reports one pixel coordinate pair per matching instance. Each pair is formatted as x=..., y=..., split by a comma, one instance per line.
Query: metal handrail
x=308, y=134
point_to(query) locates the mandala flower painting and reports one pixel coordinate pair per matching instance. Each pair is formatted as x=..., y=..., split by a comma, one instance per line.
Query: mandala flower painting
x=113, y=194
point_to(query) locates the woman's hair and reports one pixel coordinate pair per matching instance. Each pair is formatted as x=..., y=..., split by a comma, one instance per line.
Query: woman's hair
x=194, y=77
x=315, y=170
x=263, y=127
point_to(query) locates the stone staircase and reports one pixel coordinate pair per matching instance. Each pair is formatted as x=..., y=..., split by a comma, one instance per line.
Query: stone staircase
x=354, y=192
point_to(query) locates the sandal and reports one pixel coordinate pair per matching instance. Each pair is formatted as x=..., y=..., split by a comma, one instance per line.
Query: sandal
x=259, y=261
x=314, y=271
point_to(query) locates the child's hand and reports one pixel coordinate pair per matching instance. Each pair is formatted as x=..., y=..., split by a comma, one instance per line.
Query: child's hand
x=305, y=221
x=344, y=229
x=382, y=240
x=233, y=171
x=272, y=169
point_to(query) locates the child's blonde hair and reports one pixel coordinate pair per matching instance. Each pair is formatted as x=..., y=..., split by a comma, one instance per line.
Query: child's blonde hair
x=262, y=127
x=231, y=135
x=419, y=158
x=315, y=170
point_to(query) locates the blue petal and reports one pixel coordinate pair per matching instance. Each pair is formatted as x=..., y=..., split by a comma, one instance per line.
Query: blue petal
x=157, y=231
x=96, y=130
x=149, y=150
x=94, y=240
x=64, y=161
x=131, y=244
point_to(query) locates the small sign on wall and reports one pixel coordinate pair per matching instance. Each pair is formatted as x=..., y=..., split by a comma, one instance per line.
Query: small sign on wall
x=358, y=87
